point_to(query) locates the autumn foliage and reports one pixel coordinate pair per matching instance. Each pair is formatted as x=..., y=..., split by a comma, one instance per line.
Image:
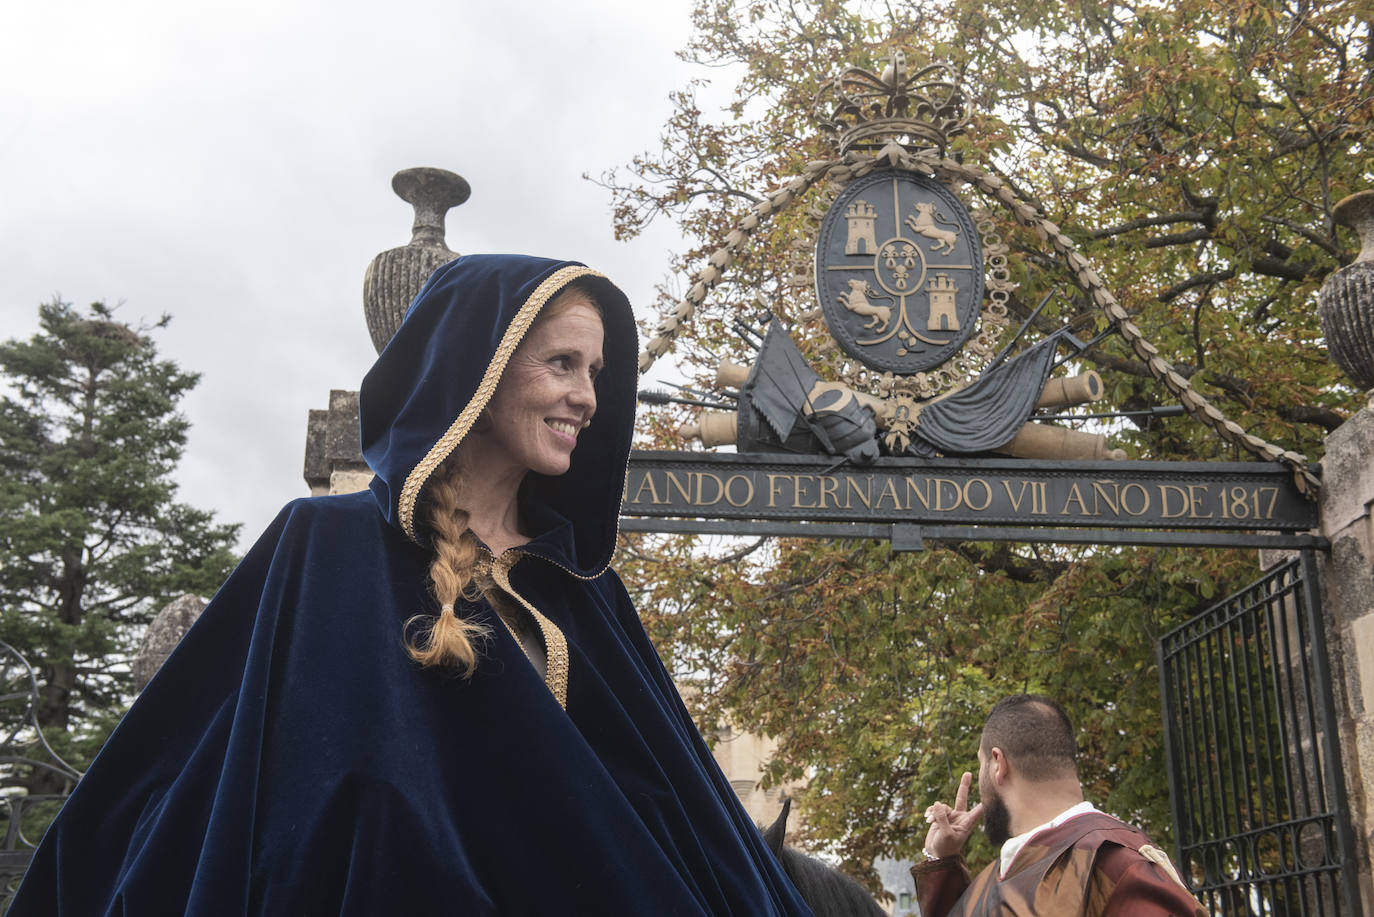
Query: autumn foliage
x=1193, y=151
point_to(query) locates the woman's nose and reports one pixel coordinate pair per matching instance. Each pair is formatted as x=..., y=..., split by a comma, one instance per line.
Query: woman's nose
x=584, y=393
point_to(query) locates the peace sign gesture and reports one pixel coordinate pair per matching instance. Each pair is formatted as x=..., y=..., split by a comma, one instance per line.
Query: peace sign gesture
x=950, y=827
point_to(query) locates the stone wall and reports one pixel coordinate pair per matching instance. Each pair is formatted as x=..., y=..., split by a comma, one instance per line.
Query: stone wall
x=1348, y=605
x=333, y=453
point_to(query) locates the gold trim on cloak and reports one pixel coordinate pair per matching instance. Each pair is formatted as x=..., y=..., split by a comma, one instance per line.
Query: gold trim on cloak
x=555, y=643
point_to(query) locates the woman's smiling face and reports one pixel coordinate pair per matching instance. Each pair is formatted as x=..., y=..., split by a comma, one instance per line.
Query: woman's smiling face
x=546, y=396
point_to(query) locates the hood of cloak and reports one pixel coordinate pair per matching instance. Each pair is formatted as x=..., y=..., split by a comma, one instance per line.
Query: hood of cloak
x=429, y=386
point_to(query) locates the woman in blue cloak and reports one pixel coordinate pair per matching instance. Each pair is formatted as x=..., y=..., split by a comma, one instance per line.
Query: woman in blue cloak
x=433, y=697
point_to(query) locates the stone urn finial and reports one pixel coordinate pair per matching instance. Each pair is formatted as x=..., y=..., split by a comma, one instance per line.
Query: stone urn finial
x=1346, y=301
x=163, y=635
x=395, y=276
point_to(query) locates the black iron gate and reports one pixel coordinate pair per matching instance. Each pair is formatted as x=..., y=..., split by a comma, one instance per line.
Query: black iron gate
x=1255, y=772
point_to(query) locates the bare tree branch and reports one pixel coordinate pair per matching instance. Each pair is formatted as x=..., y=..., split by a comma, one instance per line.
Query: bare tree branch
x=1165, y=219
x=1197, y=280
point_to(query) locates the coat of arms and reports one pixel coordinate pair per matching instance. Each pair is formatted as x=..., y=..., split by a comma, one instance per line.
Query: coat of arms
x=899, y=272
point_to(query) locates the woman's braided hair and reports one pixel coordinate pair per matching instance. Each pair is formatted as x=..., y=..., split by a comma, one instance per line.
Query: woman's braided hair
x=461, y=569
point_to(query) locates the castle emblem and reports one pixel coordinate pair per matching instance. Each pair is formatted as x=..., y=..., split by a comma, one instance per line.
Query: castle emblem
x=899, y=272
x=860, y=216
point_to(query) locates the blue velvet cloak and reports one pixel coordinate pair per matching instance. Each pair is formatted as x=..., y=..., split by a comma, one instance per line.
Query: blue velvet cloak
x=289, y=758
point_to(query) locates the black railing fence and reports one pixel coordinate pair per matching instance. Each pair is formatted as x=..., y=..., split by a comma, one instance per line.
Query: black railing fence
x=1255, y=774
x=23, y=752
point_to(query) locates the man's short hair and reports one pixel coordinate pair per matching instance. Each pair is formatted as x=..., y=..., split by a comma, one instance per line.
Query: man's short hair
x=1035, y=735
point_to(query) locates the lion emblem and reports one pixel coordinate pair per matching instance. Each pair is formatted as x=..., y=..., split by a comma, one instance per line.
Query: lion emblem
x=856, y=301
x=923, y=223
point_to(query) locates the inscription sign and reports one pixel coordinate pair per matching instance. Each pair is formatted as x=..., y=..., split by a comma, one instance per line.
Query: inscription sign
x=974, y=491
x=899, y=272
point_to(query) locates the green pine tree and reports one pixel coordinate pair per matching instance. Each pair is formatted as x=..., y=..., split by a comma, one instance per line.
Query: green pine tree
x=92, y=539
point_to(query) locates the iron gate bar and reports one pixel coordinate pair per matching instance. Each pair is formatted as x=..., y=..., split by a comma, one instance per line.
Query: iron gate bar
x=910, y=537
x=1255, y=774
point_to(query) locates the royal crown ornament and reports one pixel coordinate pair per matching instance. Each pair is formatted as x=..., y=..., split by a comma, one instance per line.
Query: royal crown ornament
x=919, y=109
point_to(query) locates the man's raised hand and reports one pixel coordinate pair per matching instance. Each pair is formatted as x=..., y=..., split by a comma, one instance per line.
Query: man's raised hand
x=950, y=827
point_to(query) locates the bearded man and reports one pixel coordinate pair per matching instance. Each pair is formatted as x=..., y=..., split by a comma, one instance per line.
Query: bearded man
x=1059, y=855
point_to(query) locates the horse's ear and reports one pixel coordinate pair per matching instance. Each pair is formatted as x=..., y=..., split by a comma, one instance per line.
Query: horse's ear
x=775, y=832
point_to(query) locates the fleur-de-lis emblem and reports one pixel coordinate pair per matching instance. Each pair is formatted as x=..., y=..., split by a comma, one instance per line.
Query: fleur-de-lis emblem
x=901, y=261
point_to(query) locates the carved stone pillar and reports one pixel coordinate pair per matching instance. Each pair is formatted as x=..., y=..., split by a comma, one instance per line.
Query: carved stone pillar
x=333, y=451
x=1347, y=589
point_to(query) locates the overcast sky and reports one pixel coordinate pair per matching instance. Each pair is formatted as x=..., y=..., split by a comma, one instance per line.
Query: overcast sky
x=230, y=164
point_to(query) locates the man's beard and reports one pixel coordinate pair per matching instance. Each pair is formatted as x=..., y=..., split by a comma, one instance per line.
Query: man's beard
x=996, y=819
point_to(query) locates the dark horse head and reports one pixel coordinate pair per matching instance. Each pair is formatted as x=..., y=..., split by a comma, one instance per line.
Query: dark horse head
x=829, y=892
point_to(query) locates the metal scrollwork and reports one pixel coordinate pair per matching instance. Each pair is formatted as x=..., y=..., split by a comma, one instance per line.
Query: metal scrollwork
x=21, y=737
